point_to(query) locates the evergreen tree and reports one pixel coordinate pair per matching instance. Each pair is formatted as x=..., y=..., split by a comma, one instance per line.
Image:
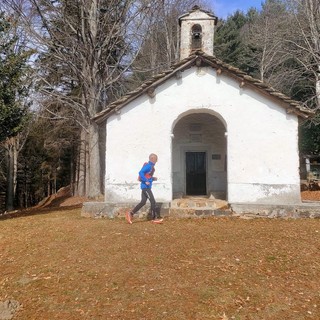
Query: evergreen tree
x=14, y=82
x=230, y=42
x=12, y=85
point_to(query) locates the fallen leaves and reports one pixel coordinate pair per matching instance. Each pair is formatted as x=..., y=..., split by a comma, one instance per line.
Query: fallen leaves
x=62, y=266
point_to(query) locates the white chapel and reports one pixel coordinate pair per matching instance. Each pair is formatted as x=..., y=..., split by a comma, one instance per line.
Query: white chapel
x=217, y=131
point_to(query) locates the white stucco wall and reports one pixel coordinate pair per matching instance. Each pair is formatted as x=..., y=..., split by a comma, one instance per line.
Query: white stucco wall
x=262, y=139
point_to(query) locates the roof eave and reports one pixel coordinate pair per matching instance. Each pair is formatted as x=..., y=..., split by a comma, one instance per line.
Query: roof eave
x=115, y=107
x=290, y=105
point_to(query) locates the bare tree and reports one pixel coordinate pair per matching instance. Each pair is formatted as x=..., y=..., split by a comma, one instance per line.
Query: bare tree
x=161, y=47
x=85, y=50
x=285, y=37
x=304, y=41
x=265, y=33
x=12, y=147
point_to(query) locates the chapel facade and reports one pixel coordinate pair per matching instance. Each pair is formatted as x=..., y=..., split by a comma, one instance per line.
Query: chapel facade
x=217, y=131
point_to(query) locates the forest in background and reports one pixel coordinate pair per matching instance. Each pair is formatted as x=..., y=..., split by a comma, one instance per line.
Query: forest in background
x=61, y=62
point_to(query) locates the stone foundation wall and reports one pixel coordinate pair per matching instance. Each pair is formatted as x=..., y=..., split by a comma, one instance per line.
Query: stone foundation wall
x=118, y=210
x=115, y=210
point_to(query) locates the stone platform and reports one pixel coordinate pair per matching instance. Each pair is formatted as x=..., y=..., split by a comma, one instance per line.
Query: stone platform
x=203, y=207
x=199, y=207
x=300, y=210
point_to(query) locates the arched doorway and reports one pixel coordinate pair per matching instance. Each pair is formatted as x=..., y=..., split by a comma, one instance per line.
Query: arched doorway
x=199, y=156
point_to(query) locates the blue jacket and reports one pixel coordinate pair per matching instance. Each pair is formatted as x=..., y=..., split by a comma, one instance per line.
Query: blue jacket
x=145, y=175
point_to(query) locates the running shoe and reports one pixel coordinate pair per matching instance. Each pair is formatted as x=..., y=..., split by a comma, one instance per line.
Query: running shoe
x=129, y=217
x=158, y=221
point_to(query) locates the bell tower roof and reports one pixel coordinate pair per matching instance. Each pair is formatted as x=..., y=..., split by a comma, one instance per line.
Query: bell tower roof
x=195, y=9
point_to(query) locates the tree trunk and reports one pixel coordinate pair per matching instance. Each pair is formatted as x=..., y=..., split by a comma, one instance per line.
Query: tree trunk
x=11, y=154
x=94, y=170
x=318, y=87
x=80, y=182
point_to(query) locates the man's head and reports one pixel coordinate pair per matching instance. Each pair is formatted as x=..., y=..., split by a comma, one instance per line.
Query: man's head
x=153, y=158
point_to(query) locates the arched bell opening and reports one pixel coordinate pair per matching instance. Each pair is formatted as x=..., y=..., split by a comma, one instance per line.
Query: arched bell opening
x=196, y=37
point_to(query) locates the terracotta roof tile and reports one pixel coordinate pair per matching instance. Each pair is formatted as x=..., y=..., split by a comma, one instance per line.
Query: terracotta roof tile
x=292, y=106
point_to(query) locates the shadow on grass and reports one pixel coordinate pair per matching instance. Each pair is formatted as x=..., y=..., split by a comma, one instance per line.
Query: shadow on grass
x=60, y=201
x=53, y=206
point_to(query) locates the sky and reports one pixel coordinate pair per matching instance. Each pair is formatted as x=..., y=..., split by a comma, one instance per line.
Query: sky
x=223, y=8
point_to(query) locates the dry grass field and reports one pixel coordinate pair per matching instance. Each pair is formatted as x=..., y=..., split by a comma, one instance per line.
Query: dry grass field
x=57, y=265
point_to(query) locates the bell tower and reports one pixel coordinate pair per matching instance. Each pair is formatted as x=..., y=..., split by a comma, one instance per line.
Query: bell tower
x=196, y=32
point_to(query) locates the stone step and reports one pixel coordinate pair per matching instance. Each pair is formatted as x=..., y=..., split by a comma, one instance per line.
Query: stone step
x=198, y=203
x=198, y=207
x=196, y=212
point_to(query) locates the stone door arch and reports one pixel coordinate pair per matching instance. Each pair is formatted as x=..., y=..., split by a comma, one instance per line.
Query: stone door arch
x=199, y=156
